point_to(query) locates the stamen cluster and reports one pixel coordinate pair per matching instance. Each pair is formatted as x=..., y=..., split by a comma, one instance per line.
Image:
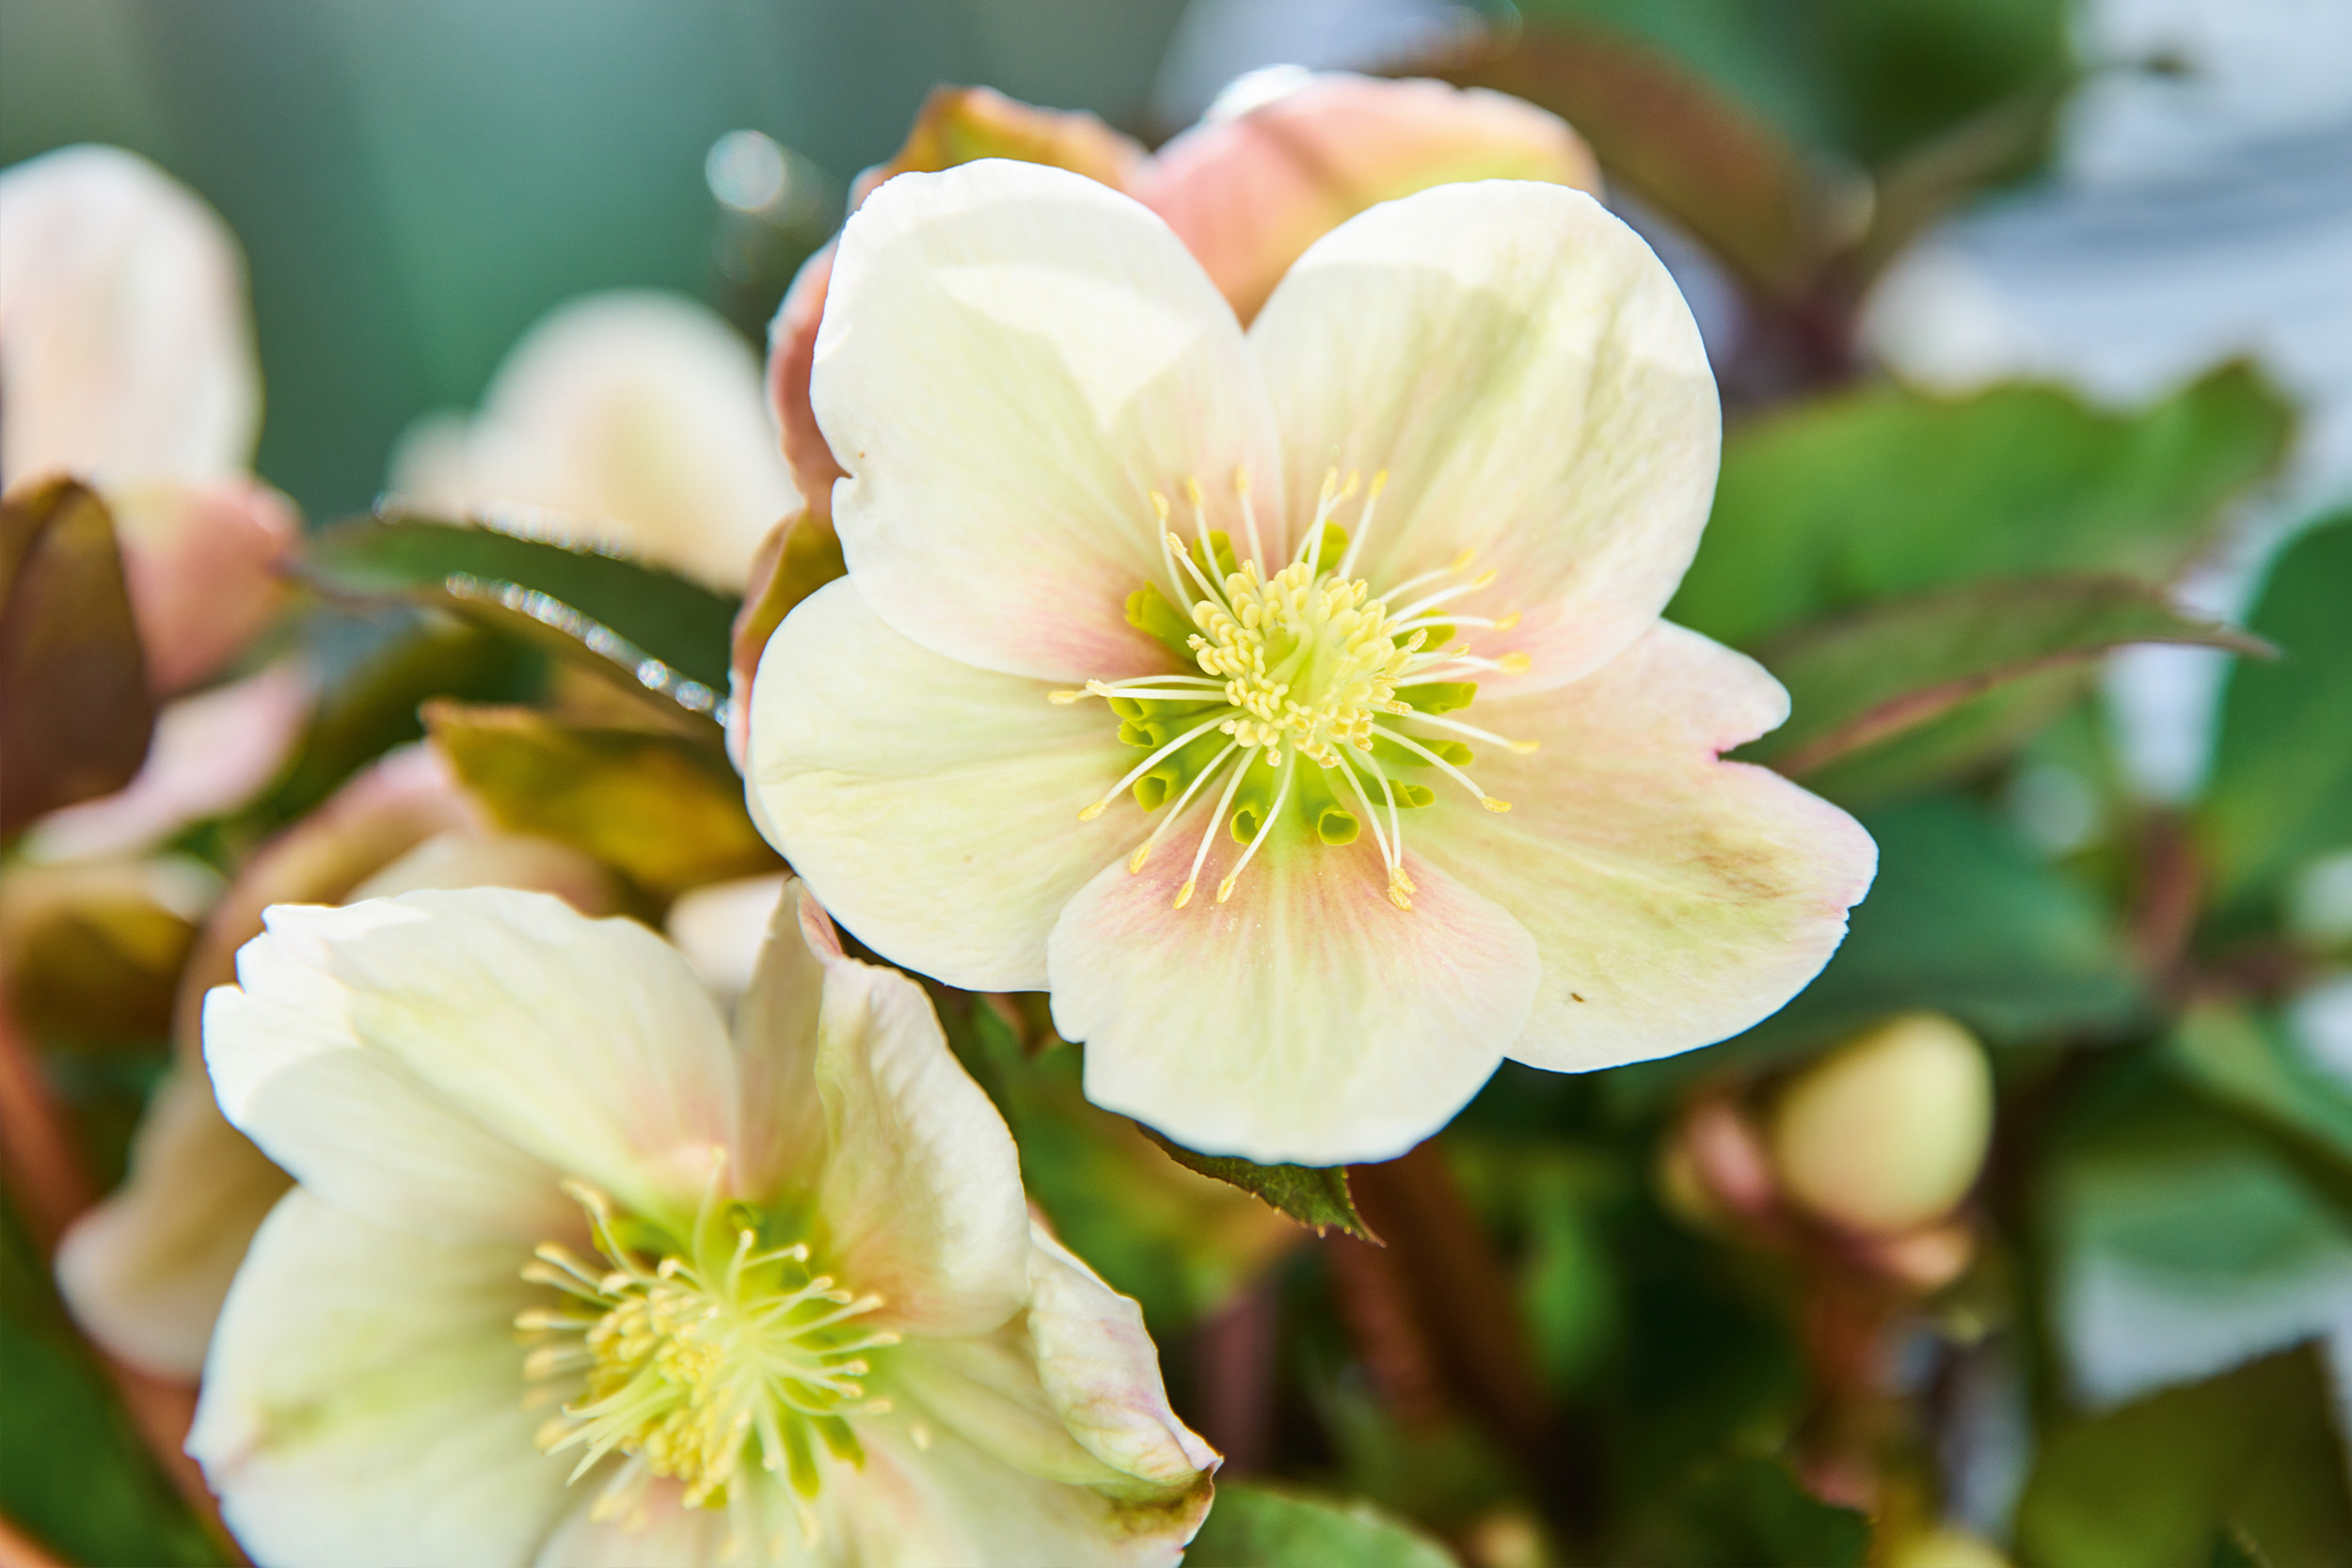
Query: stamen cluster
x=690, y=1362
x=1308, y=661
x=1298, y=668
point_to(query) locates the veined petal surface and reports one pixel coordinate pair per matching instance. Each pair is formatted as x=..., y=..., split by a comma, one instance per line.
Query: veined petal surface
x=1012, y=359
x=934, y=804
x=1676, y=899
x=1524, y=369
x=363, y=1400
x=490, y=1029
x=920, y=1195
x=1309, y=1020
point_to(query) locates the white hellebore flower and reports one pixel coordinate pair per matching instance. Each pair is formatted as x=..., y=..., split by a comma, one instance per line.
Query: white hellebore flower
x=569, y=1278
x=634, y=420
x=1459, y=461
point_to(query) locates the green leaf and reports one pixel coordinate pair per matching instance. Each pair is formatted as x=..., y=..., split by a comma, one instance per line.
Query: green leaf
x=2181, y=1241
x=1831, y=505
x=1261, y=1527
x=375, y=670
x=662, y=809
x=2281, y=784
x=74, y=713
x=73, y=1473
x=1965, y=919
x=1314, y=1196
x=639, y=625
x=2245, y=1062
x=2161, y=1484
x=1860, y=680
x=1747, y=1510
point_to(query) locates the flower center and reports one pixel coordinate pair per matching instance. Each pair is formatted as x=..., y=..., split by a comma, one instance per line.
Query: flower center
x=1314, y=698
x=687, y=1361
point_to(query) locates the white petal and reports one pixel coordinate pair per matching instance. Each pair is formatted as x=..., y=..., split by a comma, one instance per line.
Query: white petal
x=363, y=1400
x=1309, y=1020
x=1524, y=369
x=146, y=1270
x=431, y=1059
x=920, y=1200
x=932, y=805
x=1069, y=1391
x=721, y=928
x=1013, y=357
x=123, y=334
x=1101, y=1373
x=1675, y=899
x=634, y=420
x=782, y=1129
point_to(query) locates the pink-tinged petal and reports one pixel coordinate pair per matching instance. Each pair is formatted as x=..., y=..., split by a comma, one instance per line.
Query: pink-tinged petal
x=1250, y=192
x=1307, y=1020
x=1676, y=899
x=124, y=336
x=363, y=1401
x=791, y=354
x=1522, y=368
x=211, y=753
x=201, y=561
x=932, y=805
x=145, y=1272
x=501, y=1032
x=919, y=1197
x=1013, y=358
x=630, y=419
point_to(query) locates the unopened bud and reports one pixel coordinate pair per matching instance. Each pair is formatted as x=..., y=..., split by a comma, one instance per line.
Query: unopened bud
x=1888, y=1132
x=1947, y=1548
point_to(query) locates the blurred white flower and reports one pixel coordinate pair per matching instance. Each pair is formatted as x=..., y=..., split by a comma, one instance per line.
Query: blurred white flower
x=634, y=420
x=779, y=1298
x=126, y=359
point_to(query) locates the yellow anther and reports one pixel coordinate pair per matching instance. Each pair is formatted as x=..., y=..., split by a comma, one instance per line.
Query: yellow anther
x=1183, y=894
x=1524, y=747
x=1090, y=812
x=1063, y=698
x=1508, y=622
x=1492, y=805
x=1461, y=563
x=1515, y=664
x=1159, y=504
x=1192, y=490
x=1135, y=861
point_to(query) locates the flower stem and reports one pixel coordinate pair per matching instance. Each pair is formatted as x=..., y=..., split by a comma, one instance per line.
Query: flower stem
x=1460, y=1300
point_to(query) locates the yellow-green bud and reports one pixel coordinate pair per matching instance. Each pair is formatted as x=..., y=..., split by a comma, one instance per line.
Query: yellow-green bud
x=1887, y=1131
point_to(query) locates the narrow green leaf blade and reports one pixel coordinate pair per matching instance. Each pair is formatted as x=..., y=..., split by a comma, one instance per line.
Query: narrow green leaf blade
x=1314, y=1196
x=1263, y=1527
x=637, y=622
x=1866, y=678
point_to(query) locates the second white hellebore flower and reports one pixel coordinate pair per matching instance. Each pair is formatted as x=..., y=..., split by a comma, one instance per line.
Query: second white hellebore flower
x=1148, y=682
x=571, y=1279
